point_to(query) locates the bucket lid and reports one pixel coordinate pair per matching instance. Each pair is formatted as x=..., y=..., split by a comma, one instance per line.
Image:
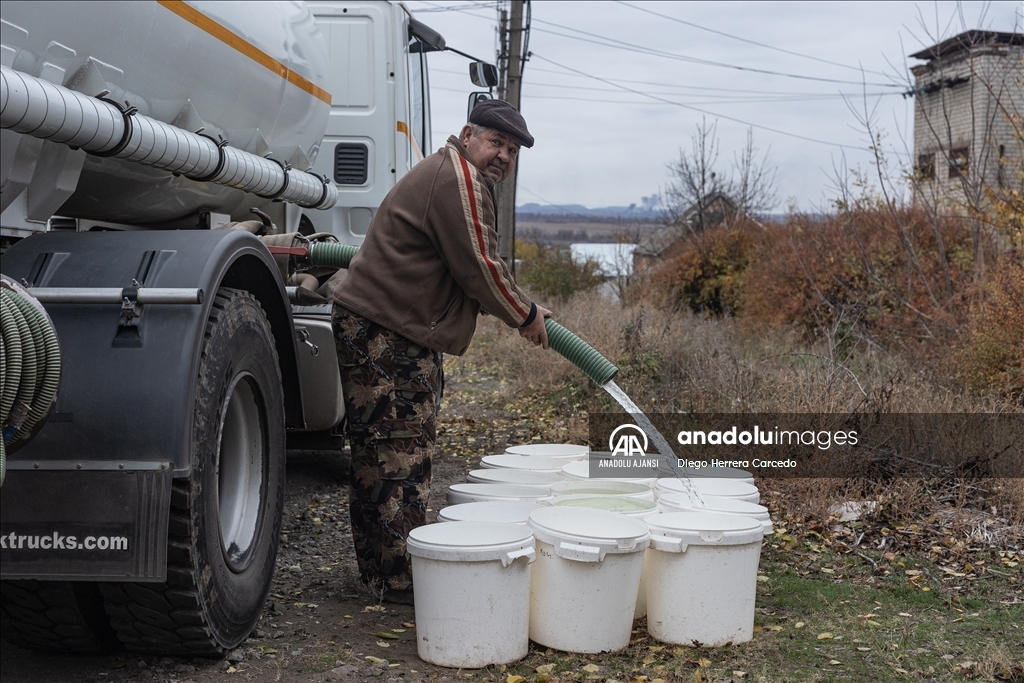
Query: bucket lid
x=505, y=492
x=726, y=488
x=600, y=487
x=568, y=451
x=673, y=531
x=633, y=507
x=578, y=469
x=534, y=463
x=680, y=502
x=586, y=534
x=471, y=542
x=488, y=511
x=520, y=477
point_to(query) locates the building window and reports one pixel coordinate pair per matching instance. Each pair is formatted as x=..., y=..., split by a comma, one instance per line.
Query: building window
x=958, y=163
x=926, y=166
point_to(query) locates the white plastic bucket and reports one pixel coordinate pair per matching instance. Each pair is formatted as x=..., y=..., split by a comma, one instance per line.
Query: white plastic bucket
x=585, y=582
x=565, y=451
x=579, y=470
x=602, y=487
x=509, y=493
x=637, y=508
x=721, y=488
x=490, y=511
x=533, y=463
x=542, y=480
x=702, y=577
x=679, y=502
x=471, y=568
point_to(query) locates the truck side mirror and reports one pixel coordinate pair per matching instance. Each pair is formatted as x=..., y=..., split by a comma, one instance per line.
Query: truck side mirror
x=483, y=75
x=476, y=98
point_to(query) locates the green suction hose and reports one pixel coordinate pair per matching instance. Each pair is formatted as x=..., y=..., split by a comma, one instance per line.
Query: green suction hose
x=331, y=254
x=575, y=350
x=29, y=368
x=579, y=353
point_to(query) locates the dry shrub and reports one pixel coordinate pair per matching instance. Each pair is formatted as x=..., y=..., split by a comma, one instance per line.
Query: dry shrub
x=900, y=276
x=990, y=354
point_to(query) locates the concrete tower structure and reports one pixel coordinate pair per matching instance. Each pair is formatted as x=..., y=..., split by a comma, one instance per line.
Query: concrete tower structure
x=969, y=118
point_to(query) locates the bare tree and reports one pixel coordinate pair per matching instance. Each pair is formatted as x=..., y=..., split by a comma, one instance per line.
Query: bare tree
x=753, y=187
x=697, y=181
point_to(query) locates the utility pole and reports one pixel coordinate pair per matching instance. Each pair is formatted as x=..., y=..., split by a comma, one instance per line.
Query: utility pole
x=510, y=61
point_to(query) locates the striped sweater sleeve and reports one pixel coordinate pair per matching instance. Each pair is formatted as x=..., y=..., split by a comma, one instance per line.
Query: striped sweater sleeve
x=465, y=230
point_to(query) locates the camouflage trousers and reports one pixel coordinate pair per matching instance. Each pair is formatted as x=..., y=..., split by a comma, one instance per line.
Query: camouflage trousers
x=390, y=386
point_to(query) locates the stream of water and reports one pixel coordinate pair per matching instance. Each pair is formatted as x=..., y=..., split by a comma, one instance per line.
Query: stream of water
x=660, y=442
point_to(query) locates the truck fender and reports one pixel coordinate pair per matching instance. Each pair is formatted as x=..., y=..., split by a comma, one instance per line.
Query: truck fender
x=128, y=390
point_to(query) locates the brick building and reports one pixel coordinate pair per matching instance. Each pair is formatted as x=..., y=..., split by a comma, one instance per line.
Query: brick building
x=968, y=118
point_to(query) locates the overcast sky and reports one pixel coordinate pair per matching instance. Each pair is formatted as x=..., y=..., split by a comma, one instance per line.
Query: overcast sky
x=609, y=115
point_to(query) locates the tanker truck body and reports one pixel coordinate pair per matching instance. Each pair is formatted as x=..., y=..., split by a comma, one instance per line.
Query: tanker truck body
x=143, y=507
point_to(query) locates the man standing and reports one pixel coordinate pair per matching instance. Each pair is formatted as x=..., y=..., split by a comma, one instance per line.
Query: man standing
x=413, y=292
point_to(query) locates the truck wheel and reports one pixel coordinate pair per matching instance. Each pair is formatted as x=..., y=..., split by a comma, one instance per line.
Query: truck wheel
x=56, y=615
x=226, y=517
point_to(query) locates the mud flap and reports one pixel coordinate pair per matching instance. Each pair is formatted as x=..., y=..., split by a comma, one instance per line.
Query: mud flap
x=85, y=525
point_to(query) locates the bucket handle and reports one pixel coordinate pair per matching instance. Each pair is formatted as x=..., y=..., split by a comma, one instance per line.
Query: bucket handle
x=580, y=553
x=667, y=544
x=712, y=536
x=513, y=555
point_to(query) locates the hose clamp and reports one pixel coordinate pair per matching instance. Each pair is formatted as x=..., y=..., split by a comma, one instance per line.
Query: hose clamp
x=326, y=184
x=127, y=112
x=221, y=157
x=284, y=188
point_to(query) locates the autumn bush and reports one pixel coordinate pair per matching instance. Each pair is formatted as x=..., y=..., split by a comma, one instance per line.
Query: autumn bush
x=706, y=276
x=900, y=277
x=990, y=354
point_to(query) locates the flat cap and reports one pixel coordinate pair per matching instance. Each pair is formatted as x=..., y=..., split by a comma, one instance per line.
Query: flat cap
x=501, y=115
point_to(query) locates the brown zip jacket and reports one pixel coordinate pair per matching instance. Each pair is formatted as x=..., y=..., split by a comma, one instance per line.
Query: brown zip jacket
x=429, y=260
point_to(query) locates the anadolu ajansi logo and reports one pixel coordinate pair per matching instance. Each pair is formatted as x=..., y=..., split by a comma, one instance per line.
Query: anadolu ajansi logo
x=627, y=444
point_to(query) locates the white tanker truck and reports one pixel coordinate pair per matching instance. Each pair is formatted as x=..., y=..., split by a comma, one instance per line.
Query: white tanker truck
x=142, y=499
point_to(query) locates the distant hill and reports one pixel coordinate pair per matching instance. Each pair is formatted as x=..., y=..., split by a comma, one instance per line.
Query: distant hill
x=633, y=212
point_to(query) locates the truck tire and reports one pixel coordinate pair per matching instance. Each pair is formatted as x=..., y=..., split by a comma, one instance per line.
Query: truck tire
x=226, y=517
x=62, y=616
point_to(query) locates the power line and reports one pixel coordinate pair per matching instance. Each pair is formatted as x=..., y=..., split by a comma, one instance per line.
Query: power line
x=632, y=47
x=743, y=91
x=458, y=8
x=747, y=40
x=697, y=109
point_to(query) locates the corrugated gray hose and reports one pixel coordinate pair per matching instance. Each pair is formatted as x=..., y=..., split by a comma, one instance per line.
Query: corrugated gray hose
x=44, y=110
x=29, y=369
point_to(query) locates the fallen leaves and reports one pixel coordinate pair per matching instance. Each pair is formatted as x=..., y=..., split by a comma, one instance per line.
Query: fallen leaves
x=825, y=636
x=385, y=635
